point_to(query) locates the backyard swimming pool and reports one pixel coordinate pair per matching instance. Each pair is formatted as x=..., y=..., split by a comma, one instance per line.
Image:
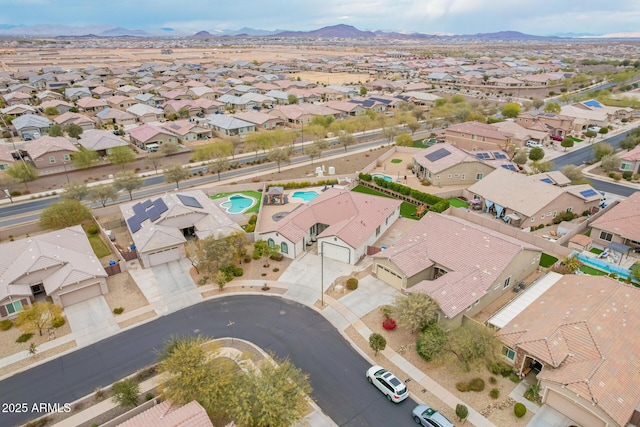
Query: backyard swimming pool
x=605, y=266
x=380, y=175
x=307, y=196
x=238, y=203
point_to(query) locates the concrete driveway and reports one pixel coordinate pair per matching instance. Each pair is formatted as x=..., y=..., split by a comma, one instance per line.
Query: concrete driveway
x=91, y=320
x=303, y=276
x=174, y=286
x=546, y=416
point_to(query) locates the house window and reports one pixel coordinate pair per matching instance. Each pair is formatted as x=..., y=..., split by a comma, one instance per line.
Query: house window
x=508, y=353
x=66, y=157
x=429, y=174
x=449, y=176
x=271, y=243
x=569, y=209
x=474, y=148
x=13, y=307
x=625, y=166
x=533, y=218
x=463, y=176
x=479, y=176
x=606, y=236
x=4, y=166
x=477, y=302
x=506, y=282
x=284, y=248
x=52, y=159
x=555, y=213
x=542, y=216
x=378, y=231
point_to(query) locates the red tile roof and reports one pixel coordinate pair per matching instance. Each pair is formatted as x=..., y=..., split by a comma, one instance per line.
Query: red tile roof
x=585, y=329
x=623, y=219
x=165, y=415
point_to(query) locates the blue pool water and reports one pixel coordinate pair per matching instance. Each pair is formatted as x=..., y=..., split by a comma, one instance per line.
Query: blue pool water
x=307, y=196
x=605, y=266
x=238, y=203
x=385, y=177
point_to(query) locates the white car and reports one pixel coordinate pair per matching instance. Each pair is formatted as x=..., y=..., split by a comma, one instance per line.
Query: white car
x=594, y=128
x=531, y=143
x=388, y=384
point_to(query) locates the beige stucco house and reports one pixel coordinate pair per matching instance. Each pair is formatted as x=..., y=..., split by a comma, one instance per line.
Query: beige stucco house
x=475, y=136
x=621, y=224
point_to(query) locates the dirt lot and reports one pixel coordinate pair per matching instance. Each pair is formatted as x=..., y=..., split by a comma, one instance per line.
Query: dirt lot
x=332, y=78
x=123, y=292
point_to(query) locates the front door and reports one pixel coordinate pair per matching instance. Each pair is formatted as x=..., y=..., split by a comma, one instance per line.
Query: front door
x=37, y=289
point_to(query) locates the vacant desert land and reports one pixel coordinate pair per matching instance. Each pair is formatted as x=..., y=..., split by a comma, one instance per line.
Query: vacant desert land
x=332, y=78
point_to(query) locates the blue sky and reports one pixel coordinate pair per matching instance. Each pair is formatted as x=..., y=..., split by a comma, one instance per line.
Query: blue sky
x=542, y=17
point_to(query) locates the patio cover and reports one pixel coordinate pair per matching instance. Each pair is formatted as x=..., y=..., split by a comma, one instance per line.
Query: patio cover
x=498, y=210
x=618, y=247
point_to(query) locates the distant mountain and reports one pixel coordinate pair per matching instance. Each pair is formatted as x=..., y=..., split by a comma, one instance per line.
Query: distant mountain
x=202, y=35
x=245, y=31
x=506, y=35
x=119, y=32
x=334, y=31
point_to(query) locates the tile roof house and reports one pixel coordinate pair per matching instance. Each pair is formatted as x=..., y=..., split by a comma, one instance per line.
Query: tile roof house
x=29, y=124
x=621, y=224
x=159, y=226
x=631, y=161
x=473, y=136
x=521, y=134
x=59, y=264
x=146, y=113
x=101, y=141
x=165, y=415
x=344, y=223
x=188, y=131
x=115, y=116
x=65, y=119
x=6, y=159
x=145, y=135
x=580, y=338
x=461, y=265
x=51, y=151
x=16, y=110
x=446, y=164
x=260, y=120
x=58, y=104
x=527, y=201
x=90, y=104
x=224, y=125
x=553, y=124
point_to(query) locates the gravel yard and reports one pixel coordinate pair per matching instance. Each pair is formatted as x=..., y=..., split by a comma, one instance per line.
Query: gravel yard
x=123, y=292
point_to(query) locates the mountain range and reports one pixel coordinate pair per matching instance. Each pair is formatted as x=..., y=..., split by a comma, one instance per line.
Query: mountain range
x=334, y=31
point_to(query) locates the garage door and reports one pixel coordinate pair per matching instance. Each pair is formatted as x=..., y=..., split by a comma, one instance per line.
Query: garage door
x=573, y=410
x=163, y=257
x=388, y=276
x=339, y=253
x=79, y=295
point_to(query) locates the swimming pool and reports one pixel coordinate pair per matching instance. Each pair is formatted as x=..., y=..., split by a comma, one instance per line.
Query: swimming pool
x=383, y=176
x=238, y=203
x=605, y=266
x=307, y=196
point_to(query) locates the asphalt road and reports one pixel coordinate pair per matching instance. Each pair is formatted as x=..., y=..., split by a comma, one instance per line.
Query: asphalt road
x=288, y=329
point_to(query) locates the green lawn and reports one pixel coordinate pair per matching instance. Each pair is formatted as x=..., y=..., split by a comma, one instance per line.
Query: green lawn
x=255, y=194
x=547, y=260
x=576, y=139
x=98, y=246
x=423, y=142
x=457, y=203
x=595, y=251
x=407, y=210
x=396, y=160
x=592, y=271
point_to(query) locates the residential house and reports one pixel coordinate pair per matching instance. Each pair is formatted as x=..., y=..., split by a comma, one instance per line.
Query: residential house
x=51, y=151
x=188, y=131
x=224, y=125
x=460, y=265
x=114, y=116
x=6, y=158
x=594, y=113
x=474, y=136
x=59, y=264
x=128, y=90
x=18, y=110
x=208, y=106
x=149, y=137
x=29, y=126
x=579, y=338
x=201, y=92
x=260, y=120
x=521, y=135
x=103, y=92
x=342, y=222
x=165, y=414
x=178, y=106
x=446, y=164
x=299, y=115
x=145, y=113
x=101, y=141
x=529, y=201
x=65, y=119
x=553, y=124
x=23, y=88
x=76, y=93
x=621, y=224
x=120, y=102
x=91, y=105
x=149, y=99
x=346, y=108
x=280, y=97
x=60, y=105
x=631, y=161
x=15, y=98
x=48, y=95
x=159, y=227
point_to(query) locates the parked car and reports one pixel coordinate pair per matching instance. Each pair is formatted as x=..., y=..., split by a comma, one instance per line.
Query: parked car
x=594, y=128
x=429, y=417
x=388, y=384
x=556, y=138
x=531, y=143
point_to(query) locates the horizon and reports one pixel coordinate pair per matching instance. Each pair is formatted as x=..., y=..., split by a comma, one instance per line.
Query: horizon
x=457, y=17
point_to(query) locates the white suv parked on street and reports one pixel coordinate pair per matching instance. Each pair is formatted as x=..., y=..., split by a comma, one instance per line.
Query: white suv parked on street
x=388, y=384
x=531, y=143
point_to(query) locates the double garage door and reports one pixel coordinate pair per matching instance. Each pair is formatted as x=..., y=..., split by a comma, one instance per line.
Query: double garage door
x=580, y=415
x=163, y=257
x=80, y=295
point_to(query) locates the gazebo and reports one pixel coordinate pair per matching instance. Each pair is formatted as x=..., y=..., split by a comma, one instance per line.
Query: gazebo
x=275, y=196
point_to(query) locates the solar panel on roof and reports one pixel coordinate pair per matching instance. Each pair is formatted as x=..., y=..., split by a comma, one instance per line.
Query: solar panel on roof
x=437, y=155
x=510, y=167
x=483, y=156
x=547, y=180
x=153, y=214
x=160, y=205
x=189, y=201
x=147, y=204
x=588, y=193
x=134, y=224
x=593, y=103
x=499, y=155
x=138, y=209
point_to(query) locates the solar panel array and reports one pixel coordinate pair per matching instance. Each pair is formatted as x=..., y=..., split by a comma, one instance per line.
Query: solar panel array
x=438, y=154
x=510, y=167
x=547, y=180
x=499, y=155
x=483, y=156
x=192, y=202
x=593, y=103
x=588, y=193
x=146, y=210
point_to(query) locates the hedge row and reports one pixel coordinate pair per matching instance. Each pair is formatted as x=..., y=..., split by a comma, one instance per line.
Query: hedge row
x=289, y=185
x=435, y=203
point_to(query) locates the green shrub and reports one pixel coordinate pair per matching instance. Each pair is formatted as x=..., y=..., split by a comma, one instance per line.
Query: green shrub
x=498, y=367
x=364, y=177
x=519, y=409
x=476, y=384
x=493, y=380
x=5, y=325
x=118, y=310
x=92, y=229
x=250, y=228
x=203, y=280
x=253, y=219
x=58, y=322
x=514, y=377
x=494, y=393
x=636, y=176
x=24, y=337
x=462, y=412
x=148, y=397
x=352, y=283
x=616, y=176
x=256, y=254
x=462, y=386
x=277, y=257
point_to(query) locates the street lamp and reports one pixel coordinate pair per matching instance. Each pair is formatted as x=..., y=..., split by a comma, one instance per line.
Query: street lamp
x=64, y=166
x=230, y=324
x=321, y=274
